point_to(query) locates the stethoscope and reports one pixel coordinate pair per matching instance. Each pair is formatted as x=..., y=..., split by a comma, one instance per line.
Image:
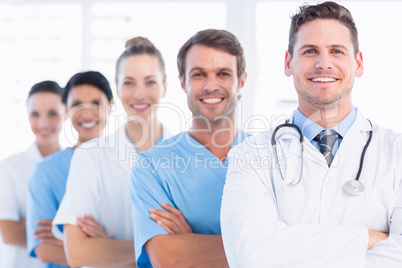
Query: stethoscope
x=354, y=187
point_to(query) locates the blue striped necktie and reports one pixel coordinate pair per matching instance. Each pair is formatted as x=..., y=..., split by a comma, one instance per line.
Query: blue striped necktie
x=327, y=139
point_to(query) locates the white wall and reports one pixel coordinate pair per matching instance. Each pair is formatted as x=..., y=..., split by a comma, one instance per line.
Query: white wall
x=54, y=39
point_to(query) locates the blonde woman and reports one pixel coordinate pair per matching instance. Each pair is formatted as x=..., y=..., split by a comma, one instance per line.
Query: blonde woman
x=97, y=199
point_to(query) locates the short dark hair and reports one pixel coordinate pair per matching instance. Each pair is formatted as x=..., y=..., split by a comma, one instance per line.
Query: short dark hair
x=326, y=10
x=139, y=46
x=46, y=86
x=93, y=78
x=218, y=39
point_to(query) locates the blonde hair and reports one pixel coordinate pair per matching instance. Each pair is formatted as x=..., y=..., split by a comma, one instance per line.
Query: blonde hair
x=139, y=46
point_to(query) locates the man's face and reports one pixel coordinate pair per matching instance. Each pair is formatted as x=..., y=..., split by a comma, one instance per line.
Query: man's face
x=211, y=83
x=323, y=65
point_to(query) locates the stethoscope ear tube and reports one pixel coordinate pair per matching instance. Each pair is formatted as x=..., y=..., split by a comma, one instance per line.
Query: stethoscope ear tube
x=273, y=138
x=273, y=143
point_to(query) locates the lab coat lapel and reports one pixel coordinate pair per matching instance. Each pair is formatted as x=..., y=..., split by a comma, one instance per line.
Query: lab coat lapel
x=292, y=145
x=286, y=141
x=33, y=153
x=355, y=138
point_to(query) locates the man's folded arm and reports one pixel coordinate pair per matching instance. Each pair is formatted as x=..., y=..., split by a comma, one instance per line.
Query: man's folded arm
x=186, y=250
x=254, y=235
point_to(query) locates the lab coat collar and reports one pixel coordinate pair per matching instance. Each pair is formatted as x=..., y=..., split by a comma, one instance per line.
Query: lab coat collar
x=292, y=144
x=120, y=145
x=125, y=148
x=356, y=137
x=33, y=153
x=362, y=122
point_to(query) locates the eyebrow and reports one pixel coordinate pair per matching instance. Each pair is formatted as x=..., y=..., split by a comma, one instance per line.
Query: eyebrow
x=307, y=46
x=339, y=46
x=196, y=69
x=226, y=70
x=147, y=77
x=223, y=69
x=316, y=47
x=80, y=101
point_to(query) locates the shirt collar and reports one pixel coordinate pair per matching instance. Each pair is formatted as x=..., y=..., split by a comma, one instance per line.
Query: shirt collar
x=311, y=129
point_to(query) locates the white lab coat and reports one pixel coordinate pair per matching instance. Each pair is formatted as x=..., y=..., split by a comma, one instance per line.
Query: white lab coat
x=316, y=223
x=14, y=174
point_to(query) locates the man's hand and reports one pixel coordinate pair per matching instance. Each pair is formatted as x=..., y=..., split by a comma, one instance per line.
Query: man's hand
x=91, y=227
x=375, y=237
x=171, y=220
x=44, y=233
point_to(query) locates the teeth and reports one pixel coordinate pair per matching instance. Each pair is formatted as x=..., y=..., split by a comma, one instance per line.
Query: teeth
x=212, y=100
x=88, y=125
x=323, y=79
x=140, y=106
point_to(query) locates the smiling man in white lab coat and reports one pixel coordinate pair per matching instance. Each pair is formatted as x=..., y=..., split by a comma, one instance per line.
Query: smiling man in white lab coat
x=279, y=210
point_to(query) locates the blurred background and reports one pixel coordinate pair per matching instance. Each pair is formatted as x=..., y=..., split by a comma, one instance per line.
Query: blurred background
x=53, y=39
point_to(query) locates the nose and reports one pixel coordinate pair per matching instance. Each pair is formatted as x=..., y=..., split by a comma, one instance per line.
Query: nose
x=324, y=62
x=139, y=92
x=210, y=84
x=87, y=112
x=43, y=122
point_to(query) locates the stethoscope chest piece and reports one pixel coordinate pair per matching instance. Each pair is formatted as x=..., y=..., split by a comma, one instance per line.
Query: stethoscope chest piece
x=354, y=187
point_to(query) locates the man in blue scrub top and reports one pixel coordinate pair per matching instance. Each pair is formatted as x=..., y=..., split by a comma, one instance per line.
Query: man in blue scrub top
x=177, y=186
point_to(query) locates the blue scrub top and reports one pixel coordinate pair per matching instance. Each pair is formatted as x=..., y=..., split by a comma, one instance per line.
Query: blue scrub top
x=183, y=173
x=47, y=186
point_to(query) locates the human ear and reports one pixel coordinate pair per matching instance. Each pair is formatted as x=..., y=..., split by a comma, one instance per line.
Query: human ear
x=359, y=64
x=110, y=107
x=164, y=89
x=182, y=84
x=242, y=82
x=66, y=116
x=288, y=59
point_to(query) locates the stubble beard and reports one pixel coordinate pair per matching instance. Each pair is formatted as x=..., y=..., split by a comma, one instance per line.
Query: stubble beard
x=320, y=102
